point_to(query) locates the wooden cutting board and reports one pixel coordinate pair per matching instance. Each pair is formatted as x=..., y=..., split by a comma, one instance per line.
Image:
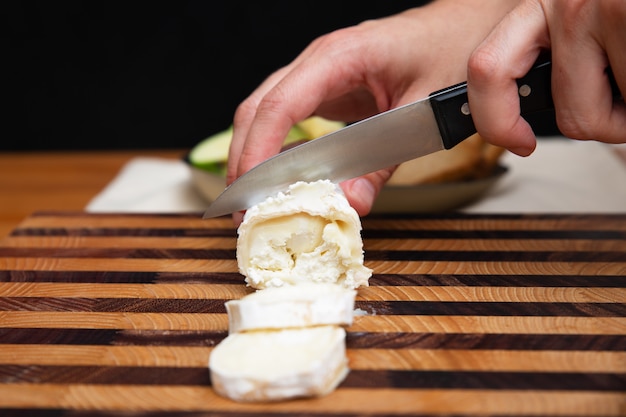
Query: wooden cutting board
x=466, y=315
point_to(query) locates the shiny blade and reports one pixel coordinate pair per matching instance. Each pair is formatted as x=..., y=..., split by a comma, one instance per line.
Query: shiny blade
x=378, y=142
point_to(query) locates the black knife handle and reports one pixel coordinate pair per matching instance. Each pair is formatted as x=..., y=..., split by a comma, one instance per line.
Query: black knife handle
x=451, y=108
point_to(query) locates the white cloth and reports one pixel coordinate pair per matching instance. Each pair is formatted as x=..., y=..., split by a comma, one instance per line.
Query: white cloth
x=561, y=176
x=150, y=185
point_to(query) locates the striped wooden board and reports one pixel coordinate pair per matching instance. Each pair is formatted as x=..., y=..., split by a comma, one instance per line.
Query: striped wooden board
x=513, y=315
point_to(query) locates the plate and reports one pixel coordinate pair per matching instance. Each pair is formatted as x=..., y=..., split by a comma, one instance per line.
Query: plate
x=425, y=198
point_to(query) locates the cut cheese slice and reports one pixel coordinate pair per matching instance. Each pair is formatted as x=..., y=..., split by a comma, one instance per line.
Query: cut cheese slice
x=280, y=364
x=308, y=233
x=301, y=305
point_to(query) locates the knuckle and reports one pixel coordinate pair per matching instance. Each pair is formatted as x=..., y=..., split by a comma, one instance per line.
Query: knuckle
x=577, y=126
x=483, y=64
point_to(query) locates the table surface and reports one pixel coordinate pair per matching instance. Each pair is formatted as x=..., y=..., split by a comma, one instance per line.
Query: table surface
x=468, y=315
x=31, y=181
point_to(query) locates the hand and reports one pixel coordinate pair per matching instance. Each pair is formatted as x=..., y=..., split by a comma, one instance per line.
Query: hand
x=356, y=72
x=584, y=37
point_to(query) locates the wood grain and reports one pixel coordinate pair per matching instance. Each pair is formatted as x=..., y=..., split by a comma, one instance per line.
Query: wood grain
x=465, y=315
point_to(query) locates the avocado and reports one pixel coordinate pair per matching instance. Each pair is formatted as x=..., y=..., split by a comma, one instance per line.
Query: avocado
x=211, y=154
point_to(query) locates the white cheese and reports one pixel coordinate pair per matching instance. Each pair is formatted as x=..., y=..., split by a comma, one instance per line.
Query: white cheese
x=281, y=364
x=308, y=233
x=289, y=306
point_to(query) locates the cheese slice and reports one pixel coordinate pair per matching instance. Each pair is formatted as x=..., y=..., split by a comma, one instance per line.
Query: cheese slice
x=303, y=305
x=309, y=233
x=278, y=365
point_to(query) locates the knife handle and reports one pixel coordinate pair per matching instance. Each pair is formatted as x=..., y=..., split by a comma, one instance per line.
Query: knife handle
x=452, y=111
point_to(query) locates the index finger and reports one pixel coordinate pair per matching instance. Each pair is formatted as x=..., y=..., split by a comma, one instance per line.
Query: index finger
x=505, y=55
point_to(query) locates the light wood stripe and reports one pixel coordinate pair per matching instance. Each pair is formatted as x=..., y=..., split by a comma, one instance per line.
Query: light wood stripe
x=359, y=359
x=490, y=324
x=143, y=291
x=378, y=293
x=343, y=400
x=369, y=244
x=487, y=360
x=121, y=321
x=495, y=294
x=497, y=268
x=119, y=264
x=381, y=267
x=411, y=324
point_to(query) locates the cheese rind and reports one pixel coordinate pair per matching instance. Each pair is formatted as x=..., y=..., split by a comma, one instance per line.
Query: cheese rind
x=308, y=233
x=289, y=306
x=281, y=364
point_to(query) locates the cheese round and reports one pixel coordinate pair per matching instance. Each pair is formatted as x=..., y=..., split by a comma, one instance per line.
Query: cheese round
x=280, y=364
x=308, y=233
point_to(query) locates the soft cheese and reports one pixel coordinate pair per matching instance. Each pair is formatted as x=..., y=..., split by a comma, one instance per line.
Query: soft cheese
x=280, y=364
x=308, y=233
x=304, y=305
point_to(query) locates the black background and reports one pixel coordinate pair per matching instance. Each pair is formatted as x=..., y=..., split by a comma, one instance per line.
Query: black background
x=152, y=74
x=132, y=74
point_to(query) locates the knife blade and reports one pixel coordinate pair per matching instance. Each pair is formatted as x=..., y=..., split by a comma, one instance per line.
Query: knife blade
x=438, y=122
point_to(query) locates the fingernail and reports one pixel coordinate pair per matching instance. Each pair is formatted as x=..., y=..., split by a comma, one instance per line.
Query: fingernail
x=522, y=151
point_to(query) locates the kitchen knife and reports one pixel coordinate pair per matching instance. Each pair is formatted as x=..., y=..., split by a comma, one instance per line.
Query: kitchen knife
x=435, y=123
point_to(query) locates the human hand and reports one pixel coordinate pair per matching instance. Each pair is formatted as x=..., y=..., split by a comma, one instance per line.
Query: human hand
x=585, y=37
x=356, y=72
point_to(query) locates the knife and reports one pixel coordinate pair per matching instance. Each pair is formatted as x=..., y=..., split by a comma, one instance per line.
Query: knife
x=438, y=122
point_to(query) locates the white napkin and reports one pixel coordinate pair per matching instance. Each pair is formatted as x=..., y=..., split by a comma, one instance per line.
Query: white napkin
x=562, y=175
x=150, y=185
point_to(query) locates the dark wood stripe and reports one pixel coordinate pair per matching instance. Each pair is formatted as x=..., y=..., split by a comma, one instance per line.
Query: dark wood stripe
x=374, y=255
x=127, y=375
x=495, y=256
x=493, y=234
x=487, y=380
x=54, y=336
x=415, y=308
x=474, y=341
x=112, y=305
x=119, y=253
x=120, y=231
x=589, y=281
x=116, y=277
x=354, y=340
x=366, y=233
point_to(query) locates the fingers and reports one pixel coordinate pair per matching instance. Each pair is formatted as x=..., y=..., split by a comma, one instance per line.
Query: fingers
x=244, y=118
x=506, y=55
x=585, y=37
x=290, y=95
x=361, y=192
x=585, y=108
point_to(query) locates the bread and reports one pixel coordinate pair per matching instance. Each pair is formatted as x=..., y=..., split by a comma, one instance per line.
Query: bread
x=471, y=159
